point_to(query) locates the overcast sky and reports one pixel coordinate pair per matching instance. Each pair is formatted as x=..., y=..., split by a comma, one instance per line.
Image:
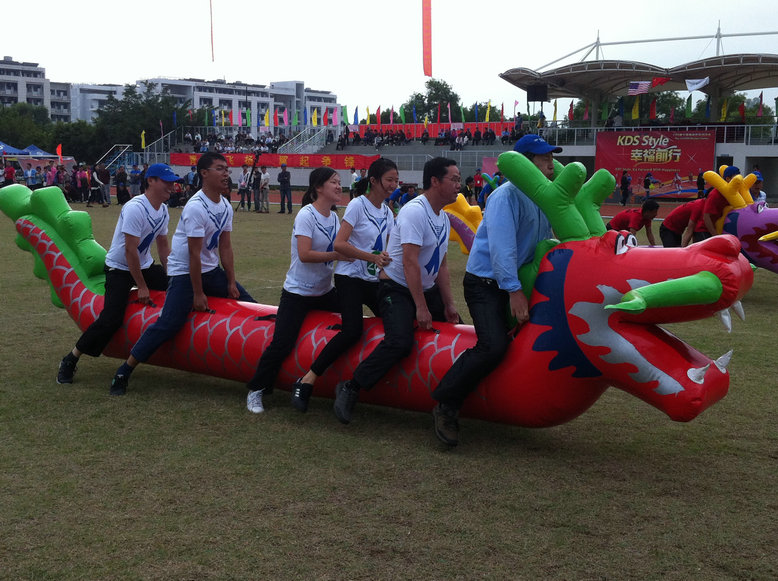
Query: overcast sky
x=365, y=51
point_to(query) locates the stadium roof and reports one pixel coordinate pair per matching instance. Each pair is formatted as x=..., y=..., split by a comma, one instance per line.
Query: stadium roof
x=601, y=78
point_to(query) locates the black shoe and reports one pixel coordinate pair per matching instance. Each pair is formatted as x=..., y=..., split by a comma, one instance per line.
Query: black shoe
x=282, y=212
x=446, y=424
x=67, y=368
x=301, y=393
x=345, y=399
x=119, y=385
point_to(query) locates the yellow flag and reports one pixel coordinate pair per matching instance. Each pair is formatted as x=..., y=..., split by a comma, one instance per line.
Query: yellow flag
x=143, y=139
x=315, y=118
x=636, y=108
x=368, y=115
x=554, y=109
x=222, y=117
x=267, y=118
x=426, y=120
x=724, y=110
x=488, y=108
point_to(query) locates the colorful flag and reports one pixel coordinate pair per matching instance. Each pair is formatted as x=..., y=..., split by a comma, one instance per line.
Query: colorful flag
x=222, y=117
x=206, y=115
x=275, y=117
x=555, y=104
x=378, y=115
x=391, y=116
x=636, y=109
x=240, y=118
x=356, y=115
x=286, y=117
x=161, y=131
x=672, y=114
x=325, y=118
x=659, y=81
x=652, y=110
x=59, y=153
x=296, y=118
x=450, y=120
x=335, y=116
x=415, y=120
x=305, y=117
x=426, y=120
x=604, y=112
x=488, y=109
x=248, y=117
x=345, y=115
x=402, y=114
x=315, y=117
x=696, y=84
x=143, y=139
x=213, y=117
x=759, y=112
x=368, y=115
x=175, y=120
x=688, y=109
x=426, y=36
x=586, y=112
x=229, y=116
x=638, y=87
x=267, y=117
x=515, y=104
x=476, y=112
x=570, y=111
x=190, y=114
x=724, y=107
x=462, y=112
x=742, y=110
x=707, y=108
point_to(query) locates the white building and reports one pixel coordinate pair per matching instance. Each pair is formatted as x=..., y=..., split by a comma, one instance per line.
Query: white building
x=22, y=82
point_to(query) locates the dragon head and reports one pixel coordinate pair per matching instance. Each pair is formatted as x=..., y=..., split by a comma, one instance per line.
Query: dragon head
x=597, y=297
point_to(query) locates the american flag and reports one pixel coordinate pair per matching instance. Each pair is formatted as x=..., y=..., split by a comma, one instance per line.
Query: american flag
x=638, y=87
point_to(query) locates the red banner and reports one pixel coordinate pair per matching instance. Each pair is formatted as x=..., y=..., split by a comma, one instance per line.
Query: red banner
x=335, y=161
x=663, y=154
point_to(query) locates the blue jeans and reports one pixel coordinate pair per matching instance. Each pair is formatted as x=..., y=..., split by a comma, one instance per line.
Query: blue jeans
x=398, y=312
x=286, y=192
x=178, y=305
x=292, y=310
x=488, y=306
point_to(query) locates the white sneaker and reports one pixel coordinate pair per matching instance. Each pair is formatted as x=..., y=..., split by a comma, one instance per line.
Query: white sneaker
x=254, y=402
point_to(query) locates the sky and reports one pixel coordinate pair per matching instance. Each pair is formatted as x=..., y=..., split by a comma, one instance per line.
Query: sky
x=369, y=53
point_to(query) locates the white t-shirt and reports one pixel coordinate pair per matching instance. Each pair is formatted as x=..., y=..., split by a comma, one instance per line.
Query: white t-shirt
x=201, y=218
x=418, y=224
x=354, y=179
x=371, y=228
x=137, y=218
x=312, y=279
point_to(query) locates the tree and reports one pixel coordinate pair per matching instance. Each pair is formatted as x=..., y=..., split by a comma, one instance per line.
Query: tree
x=23, y=124
x=77, y=139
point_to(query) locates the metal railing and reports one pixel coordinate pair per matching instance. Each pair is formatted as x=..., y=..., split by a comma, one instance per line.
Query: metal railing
x=309, y=140
x=119, y=154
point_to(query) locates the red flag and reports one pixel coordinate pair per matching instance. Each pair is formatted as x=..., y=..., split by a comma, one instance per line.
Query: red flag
x=570, y=112
x=438, y=112
x=275, y=117
x=378, y=115
x=742, y=110
x=161, y=131
x=59, y=153
x=759, y=112
x=426, y=36
x=190, y=114
x=672, y=114
x=230, y=117
x=325, y=117
x=652, y=110
x=658, y=81
x=586, y=112
x=449, y=112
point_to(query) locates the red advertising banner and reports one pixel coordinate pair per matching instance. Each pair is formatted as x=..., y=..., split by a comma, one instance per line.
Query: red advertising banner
x=673, y=158
x=335, y=161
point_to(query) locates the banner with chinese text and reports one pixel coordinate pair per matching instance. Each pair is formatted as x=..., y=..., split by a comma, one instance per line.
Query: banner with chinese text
x=335, y=161
x=666, y=155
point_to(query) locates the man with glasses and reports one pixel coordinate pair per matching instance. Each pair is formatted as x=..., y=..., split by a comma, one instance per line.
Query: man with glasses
x=505, y=240
x=202, y=240
x=415, y=285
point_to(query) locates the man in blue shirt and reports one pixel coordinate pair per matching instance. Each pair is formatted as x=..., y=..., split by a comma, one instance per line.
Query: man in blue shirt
x=505, y=240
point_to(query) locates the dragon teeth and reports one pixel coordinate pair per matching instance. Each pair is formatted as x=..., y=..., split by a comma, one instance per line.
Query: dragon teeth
x=726, y=319
x=737, y=306
x=697, y=374
x=723, y=361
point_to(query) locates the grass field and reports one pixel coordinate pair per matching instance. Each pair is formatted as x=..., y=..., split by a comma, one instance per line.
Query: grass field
x=178, y=481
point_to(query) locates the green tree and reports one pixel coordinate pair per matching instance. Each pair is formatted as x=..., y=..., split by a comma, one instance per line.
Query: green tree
x=23, y=124
x=77, y=139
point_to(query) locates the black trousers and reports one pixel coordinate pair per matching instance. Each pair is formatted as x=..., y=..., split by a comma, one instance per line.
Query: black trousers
x=118, y=284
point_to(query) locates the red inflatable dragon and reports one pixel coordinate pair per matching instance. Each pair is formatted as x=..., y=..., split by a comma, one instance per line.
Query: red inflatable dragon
x=595, y=302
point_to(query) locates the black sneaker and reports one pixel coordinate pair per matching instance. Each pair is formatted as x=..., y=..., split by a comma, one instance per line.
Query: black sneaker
x=345, y=399
x=119, y=385
x=446, y=424
x=301, y=393
x=67, y=369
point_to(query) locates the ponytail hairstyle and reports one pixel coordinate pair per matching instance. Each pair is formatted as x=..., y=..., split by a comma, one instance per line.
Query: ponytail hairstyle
x=376, y=170
x=317, y=179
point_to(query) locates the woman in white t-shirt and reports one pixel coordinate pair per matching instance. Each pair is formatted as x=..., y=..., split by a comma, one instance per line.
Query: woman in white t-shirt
x=308, y=285
x=363, y=237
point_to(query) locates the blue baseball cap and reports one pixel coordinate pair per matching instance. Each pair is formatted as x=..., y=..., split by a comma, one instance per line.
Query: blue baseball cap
x=731, y=172
x=161, y=171
x=758, y=175
x=535, y=144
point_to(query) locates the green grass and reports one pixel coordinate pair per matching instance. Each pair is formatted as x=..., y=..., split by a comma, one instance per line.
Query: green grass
x=178, y=481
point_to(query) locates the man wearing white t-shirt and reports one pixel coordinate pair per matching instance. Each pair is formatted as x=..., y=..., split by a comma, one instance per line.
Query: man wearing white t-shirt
x=415, y=285
x=143, y=220
x=202, y=239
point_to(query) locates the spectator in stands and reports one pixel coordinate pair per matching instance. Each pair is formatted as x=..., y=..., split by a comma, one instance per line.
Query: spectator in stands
x=477, y=136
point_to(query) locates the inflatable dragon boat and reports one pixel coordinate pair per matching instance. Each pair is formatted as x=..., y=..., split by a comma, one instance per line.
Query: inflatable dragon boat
x=596, y=302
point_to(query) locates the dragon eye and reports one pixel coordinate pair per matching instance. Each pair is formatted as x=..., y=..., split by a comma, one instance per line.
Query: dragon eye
x=760, y=208
x=625, y=242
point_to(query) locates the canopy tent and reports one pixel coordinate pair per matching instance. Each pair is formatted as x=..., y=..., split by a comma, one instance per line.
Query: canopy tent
x=6, y=149
x=36, y=151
